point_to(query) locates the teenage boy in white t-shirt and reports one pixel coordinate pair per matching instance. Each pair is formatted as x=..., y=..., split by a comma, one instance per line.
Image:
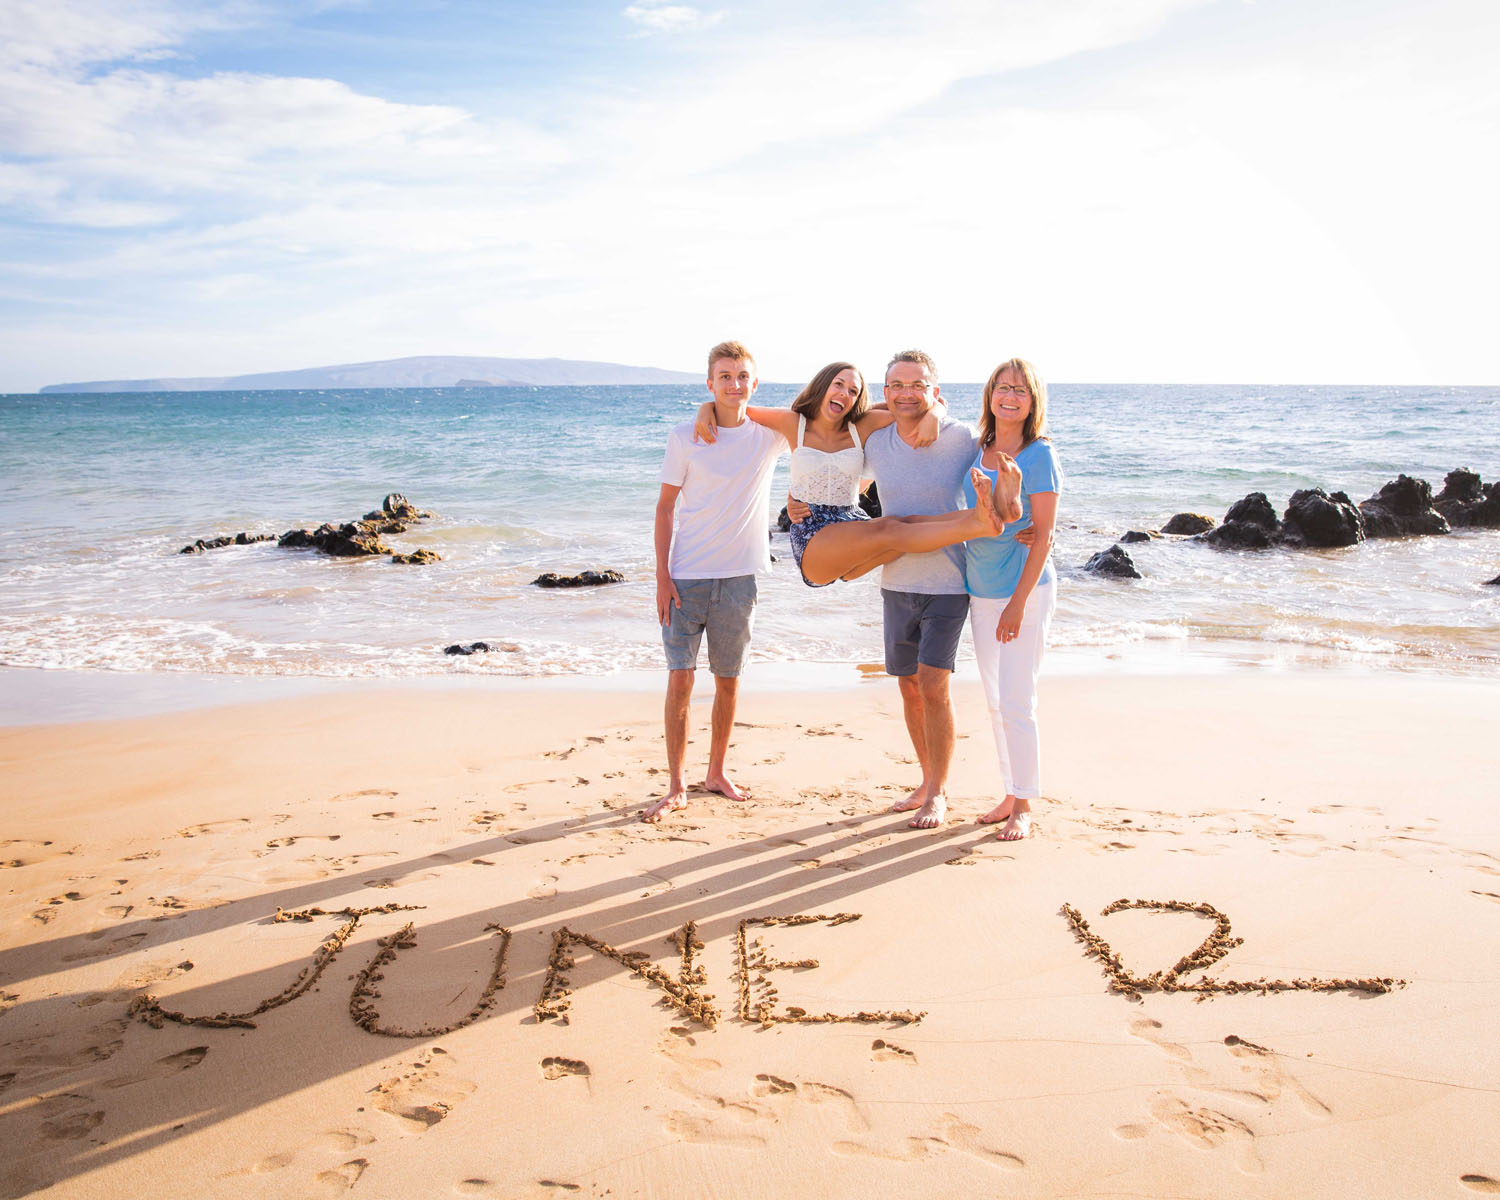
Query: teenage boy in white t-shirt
x=719, y=494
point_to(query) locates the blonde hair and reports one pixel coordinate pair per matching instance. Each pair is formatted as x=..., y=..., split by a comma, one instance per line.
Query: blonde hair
x=1035, y=425
x=734, y=350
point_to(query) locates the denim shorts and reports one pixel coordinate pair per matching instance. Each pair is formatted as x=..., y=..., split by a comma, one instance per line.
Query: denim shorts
x=922, y=628
x=725, y=609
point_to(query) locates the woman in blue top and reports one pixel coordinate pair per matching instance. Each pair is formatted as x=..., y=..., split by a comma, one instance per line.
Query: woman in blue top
x=1010, y=585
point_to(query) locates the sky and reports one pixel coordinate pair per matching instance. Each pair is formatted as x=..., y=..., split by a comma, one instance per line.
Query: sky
x=1218, y=191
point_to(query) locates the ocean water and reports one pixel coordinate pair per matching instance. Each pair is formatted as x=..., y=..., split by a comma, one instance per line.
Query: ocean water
x=100, y=492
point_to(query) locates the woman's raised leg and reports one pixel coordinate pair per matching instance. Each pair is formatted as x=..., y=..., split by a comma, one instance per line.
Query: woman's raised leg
x=852, y=548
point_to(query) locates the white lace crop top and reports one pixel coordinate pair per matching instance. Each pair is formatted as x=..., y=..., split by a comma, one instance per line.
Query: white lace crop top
x=826, y=476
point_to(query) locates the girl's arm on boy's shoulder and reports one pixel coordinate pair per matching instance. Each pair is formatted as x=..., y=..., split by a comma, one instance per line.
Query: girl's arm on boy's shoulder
x=779, y=420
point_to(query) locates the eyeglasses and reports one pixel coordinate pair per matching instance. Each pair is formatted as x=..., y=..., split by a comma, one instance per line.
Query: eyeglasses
x=1010, y=389
x=924, y=386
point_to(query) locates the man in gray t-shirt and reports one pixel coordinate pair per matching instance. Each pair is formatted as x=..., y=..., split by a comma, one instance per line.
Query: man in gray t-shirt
x=925, y=600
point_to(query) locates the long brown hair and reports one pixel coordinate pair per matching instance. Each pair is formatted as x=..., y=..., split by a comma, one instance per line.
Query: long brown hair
x=1035, y=425
x=810, y=399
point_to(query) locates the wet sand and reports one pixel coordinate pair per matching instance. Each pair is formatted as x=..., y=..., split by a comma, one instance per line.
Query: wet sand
x=417, y=942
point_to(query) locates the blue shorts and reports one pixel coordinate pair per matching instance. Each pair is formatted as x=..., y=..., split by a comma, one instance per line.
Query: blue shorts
x=822, y=516
x=922, y=628
x=725, y=609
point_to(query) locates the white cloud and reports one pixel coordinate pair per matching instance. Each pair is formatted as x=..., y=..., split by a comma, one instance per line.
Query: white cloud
x=659, y=17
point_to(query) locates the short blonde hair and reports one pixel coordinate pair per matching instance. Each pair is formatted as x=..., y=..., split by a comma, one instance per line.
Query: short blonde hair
x=734, y=350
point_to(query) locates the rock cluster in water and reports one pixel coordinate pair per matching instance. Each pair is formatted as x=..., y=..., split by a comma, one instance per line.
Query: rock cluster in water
x=1315, y=519
x=585, y=579
x=352, y=539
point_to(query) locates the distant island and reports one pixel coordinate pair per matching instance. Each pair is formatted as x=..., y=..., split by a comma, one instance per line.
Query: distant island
x=423, y=371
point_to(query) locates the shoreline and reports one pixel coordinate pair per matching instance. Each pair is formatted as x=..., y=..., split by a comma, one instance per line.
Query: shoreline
x=43, y=696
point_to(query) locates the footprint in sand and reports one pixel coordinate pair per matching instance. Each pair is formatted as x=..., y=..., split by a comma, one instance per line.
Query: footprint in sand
x=71, y=1127
x=705, y=1131
x=556, y=1067
x=340, y=1179
x=1272, y=1078
x=1209, y=1130
x=170, y=1065
x=1480, y=1183
x=422, y=1096
x=884, y=1051
x=545, y=889
x=1149, y=1030
x=382, y=793
x=119, y=945
x=277, y=843
x=953, y=1134
x=208, y=827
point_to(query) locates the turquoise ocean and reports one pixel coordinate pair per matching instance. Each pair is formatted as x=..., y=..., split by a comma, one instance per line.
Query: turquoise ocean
x=101, y=491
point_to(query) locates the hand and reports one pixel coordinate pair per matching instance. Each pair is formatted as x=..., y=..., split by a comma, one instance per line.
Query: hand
x=666, y=600
x=927, y=430
x=1009, y=624
x=796, y=511
x=705, y=427
x=1026, y=537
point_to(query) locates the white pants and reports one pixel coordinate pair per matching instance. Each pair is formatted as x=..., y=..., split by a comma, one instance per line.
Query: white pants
x=1008, y=672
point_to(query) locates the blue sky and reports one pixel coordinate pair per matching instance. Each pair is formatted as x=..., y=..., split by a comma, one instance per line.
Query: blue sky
x=1168, y=190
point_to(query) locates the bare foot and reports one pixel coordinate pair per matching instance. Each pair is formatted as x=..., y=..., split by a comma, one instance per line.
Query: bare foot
x=1018, y=827
x=720, y=783
x=1007, y=498
x=1001, y=812
x=931, y=814
x=914, y=799
x=671, y=802
x=987, y=515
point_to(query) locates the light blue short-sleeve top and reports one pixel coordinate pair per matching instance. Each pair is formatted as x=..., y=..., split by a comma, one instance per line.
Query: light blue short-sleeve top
x=993, y=566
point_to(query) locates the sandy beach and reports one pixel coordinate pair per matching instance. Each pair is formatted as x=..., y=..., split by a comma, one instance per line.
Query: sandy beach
x=491, y=979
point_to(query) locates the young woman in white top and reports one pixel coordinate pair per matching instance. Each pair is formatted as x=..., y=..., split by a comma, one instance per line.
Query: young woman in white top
x=827, y=426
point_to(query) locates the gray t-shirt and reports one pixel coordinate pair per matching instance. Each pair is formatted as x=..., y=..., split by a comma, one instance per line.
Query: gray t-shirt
x=914, y=482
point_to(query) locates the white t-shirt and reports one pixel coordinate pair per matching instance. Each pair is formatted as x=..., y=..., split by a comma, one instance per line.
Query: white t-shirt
x=723, y=519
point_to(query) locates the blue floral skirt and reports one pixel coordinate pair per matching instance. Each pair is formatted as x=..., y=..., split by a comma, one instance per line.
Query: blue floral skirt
x=822, y=516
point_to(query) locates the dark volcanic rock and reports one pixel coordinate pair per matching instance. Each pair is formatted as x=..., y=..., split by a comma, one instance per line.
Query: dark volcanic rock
x=783, y=522
x=1495, y=582
x=1254, y=509
x=1466, y=502
x=417, y=558
x=1132, y=536
x=471, y=648
x=1114, y=563
x=1188, y=523
x=397, y=505
x=239, y=539
x=1402, y=508
x=1250, y=524
x=586, y=579
x=1238, y=535
x=350, y=540
x=1314, y=518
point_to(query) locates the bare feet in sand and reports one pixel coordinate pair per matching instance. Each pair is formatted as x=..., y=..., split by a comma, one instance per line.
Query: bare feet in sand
x=1001, y=812
x=720, y=783
x=1018, y=825
x=930, y=812
x=671, y=802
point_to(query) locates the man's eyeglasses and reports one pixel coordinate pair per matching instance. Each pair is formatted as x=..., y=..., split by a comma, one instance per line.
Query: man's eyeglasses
x=924, y=386
x=1010, y=389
